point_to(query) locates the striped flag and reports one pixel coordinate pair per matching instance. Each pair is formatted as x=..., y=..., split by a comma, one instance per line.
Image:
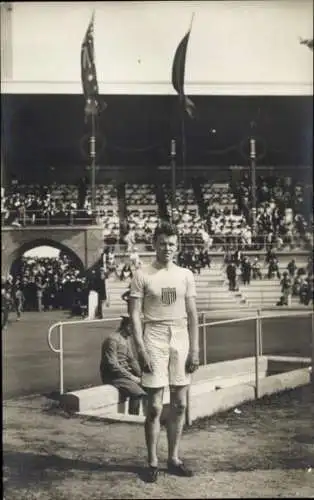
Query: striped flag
x=88, y=71
x=178, y=73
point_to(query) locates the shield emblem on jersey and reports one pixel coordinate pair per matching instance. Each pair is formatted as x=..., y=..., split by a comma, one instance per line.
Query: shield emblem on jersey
x=168, y=296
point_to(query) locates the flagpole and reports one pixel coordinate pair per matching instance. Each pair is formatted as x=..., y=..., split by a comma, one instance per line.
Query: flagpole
x=193, y=14
x=253, y=182
x=173, y=177
x=93, y=159
x=183, y=141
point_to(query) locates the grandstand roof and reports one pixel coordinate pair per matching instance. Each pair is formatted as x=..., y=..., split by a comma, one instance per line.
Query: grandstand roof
x=45, y=130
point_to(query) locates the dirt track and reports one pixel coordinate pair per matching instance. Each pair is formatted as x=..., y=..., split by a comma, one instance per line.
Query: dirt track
x=265, y=450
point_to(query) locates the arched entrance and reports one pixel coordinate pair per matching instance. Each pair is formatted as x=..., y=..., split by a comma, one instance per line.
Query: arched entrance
x=51, y=277
x=19, y=252
x=84, y=244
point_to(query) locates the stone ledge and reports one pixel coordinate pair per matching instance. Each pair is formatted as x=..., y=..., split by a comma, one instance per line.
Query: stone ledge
x=211, y=391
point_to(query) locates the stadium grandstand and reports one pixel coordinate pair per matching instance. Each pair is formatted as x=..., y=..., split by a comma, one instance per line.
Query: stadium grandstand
x=214, y=191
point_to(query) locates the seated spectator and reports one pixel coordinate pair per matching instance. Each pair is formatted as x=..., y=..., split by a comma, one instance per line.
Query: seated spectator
x=205, y=258
x=238, y=257
x=271, y=254
x=126, y=272
x=18, y=297
x=296, y=286
x=273, y=269
x=111, y=261
x=129, y=239
x=135, y=261
x=228, y=257
x=80, y=300
x=256, y=269
x=246, y=269
x=309, y=266
x=206, y=238
x=301, y=271
x=5, y=304
x=231, y=271
x=196, y=261
x=292, y=267
x=286, y=289
x=305, y=292
x=119, y=367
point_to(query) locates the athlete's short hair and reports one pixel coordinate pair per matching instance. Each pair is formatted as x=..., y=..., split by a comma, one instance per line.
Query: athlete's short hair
x=165, y=227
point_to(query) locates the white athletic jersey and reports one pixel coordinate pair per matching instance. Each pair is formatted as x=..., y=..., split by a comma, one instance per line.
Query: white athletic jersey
x=163, y=291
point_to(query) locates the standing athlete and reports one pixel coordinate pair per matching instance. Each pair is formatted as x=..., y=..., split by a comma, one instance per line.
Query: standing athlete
x=167, y=343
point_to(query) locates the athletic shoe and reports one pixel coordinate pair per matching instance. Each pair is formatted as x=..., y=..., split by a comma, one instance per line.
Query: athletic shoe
x=152, y=474
x=179, y=470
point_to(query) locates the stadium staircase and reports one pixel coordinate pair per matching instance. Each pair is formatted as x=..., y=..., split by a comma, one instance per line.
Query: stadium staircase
x=267, y=292
x=115, y=288
x=212, y=291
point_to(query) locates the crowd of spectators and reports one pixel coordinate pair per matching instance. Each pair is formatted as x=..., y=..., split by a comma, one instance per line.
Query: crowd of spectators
x=141, y=214
x=195, y=259
x=283, y=209
x=23, y=205
x=47, y=283
x=140, y=194
x=54, y=283
x=140, y=227
x=284, y=217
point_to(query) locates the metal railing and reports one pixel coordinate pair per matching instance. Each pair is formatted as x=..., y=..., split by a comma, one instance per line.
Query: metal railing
x=71, y=217
x=60, y=350
x=68, y=217
x=222, y=242
x=258, y=337
x=258, y=317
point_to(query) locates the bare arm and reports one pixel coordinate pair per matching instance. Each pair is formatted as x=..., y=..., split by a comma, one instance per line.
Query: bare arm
x=192, y=324
x=134, y=365
x=135, y=305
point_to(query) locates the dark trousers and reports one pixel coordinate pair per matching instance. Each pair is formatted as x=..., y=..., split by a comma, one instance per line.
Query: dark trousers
x=246, y=278
x=18, y=305
x=232, y=283
x=257, y=274
x=271, y=273
x=134, y=403
x=4, y=317
x=127, y=389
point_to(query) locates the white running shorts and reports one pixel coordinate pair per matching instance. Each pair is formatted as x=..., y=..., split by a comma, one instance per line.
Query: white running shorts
x=167, y=347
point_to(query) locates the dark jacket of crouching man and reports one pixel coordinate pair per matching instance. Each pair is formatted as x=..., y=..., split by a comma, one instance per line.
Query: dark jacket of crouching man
x=118, y=366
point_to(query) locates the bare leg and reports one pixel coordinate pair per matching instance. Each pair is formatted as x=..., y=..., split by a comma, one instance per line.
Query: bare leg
x=178, y=398
x=152, y=423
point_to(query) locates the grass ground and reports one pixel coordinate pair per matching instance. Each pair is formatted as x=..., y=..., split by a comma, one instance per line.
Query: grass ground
x=265, y=450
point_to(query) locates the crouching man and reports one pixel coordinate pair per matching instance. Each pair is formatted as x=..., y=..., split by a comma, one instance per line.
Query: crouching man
x=119, y=367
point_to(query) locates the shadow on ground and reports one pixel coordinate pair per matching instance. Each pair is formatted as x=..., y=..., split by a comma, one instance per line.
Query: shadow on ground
x=27, y=469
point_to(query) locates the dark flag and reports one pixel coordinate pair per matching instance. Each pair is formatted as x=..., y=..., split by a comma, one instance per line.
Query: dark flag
x=178, y=73
x=88, y=71
x=308, y=43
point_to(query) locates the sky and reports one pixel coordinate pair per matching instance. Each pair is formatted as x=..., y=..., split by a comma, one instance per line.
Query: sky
x=43, y=251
